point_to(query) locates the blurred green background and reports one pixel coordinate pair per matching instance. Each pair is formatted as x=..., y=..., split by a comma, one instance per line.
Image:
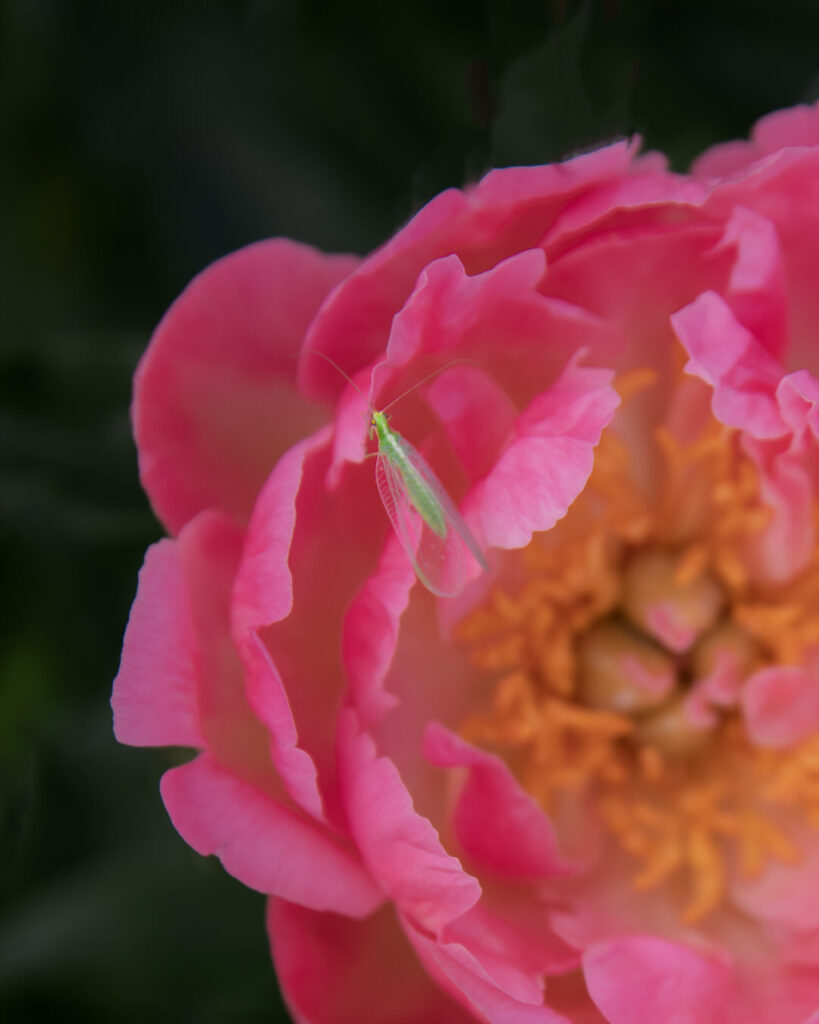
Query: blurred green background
x=139, y=142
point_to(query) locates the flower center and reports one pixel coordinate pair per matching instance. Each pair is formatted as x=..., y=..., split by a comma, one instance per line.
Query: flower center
x=614, y=655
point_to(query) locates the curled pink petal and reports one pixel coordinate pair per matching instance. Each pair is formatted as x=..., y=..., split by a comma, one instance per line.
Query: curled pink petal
x=465, y=978
x=523, y=843
x=399, y=846
x=726, y=355
x=264, y=844
x=547, y=463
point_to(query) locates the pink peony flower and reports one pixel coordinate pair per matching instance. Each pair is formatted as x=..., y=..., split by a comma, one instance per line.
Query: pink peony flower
x=586, y=788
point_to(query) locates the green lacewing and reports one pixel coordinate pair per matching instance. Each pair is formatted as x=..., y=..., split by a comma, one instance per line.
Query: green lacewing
x=437, y=541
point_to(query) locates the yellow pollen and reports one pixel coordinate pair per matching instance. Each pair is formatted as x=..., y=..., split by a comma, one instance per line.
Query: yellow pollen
x=615, y=656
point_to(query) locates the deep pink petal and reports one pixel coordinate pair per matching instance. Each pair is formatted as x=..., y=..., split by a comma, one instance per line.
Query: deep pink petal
x=262, y=843
x=795, y=126
x=447, y=306
x=784, y=188
x=334, y=970
x=507, y=212
x=476, y=413
x=451, y=315
x=641, y=978
x=323, y=541
x=215, y=399
x=399, y=846
x=611, y=274
x=781, y=705
x=465, y=978
x=654, y=197
x=511, y=938
x=371, y=629
x=757, y=288
x=155, y=699
x=547, y=464
x=725, y=355
x=521, y=842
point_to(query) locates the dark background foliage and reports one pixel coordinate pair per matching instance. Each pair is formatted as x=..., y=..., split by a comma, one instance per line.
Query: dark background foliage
x=139, y=142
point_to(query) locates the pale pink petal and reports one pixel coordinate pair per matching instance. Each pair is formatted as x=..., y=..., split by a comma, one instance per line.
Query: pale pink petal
x=262, y=843
x=507, y=212
x=783, y=895
x=725, y=355
x=215, y=399
x=155, y=699
x=784, y=188
x=460, y=973
x=756, y=289
x=798, y=397
x=546, y=465
x=781, y=705
x=521, y=842
x=400, y=847
x=335, y=970
x=785, y=546
x=641, y=979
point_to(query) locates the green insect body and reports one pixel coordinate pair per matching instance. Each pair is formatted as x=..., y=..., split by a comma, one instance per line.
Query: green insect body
x=391, y=447
x=438, y=543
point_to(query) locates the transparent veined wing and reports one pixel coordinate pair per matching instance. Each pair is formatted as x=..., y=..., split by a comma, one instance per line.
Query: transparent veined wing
x=443, y=559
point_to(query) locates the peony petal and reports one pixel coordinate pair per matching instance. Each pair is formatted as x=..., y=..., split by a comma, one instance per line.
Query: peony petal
x=795, y=126
x=507, y=212
x=155, y=698
x=652, y=197
x=400, y=848
x=215, y=400
x=521, y=842
x=476, y=413
x=725, y=355
x=798, y=397
x=547, y=464
x=785, y=895
x=642, y=978
x=452, y=315
x=294, y=671
x=461, y=974
x=263, y=844
x=784, y=188
x=371, y=632
x=756, y=289
x=781, y=706
x=334, y=970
